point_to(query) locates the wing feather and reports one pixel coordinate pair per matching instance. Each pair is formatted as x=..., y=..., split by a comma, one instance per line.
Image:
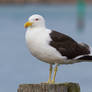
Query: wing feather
x=67, y=46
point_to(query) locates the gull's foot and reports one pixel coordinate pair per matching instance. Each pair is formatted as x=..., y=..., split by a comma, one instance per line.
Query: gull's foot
x=52, y=81
x=48, y=82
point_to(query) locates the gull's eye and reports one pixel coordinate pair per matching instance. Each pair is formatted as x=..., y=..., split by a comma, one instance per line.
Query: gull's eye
x=36, y=19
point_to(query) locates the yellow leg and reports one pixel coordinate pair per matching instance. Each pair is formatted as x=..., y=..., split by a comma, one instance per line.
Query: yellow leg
x=50, y=73
x=55, y=70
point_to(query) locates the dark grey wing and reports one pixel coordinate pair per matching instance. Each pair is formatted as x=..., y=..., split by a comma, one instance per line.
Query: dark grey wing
x=67, y=46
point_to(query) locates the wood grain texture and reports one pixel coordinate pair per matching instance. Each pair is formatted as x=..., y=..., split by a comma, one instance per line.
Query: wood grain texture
x=43, y=87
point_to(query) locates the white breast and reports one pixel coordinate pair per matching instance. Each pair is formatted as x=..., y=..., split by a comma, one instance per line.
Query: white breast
x=38, y=44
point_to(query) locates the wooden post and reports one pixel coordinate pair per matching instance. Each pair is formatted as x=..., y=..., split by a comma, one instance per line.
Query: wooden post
x=43, y=87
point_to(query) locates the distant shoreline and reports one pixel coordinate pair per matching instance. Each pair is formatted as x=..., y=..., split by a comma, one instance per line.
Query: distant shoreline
x=41, y=1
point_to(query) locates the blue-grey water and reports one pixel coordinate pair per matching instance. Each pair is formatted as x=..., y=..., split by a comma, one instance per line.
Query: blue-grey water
x=17, y=66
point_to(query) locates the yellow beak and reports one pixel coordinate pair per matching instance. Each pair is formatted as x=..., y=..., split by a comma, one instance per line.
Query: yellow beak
x=27, y=24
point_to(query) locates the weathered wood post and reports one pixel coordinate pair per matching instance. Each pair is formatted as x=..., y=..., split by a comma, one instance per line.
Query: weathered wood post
x=43, y=87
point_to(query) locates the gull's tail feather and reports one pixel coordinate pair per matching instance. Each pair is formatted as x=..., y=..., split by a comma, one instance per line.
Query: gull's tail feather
x=87, y=57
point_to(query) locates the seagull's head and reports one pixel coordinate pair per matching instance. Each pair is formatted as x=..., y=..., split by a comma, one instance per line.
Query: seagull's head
x=35, y=21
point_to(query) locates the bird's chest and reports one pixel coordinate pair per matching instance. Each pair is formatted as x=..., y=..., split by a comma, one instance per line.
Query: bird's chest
x=38, y=43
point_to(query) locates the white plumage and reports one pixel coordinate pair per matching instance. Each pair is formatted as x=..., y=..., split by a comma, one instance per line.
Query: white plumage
x=38, y=43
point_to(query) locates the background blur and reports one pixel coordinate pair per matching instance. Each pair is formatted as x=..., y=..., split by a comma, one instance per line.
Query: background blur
x=72, y=17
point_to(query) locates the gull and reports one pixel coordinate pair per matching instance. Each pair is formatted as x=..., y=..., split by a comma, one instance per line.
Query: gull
x=53, y=47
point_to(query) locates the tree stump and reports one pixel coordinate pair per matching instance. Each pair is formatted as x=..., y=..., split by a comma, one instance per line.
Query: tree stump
x=43, y=87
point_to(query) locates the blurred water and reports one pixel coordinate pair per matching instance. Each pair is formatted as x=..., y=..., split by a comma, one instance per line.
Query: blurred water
x=18, y=66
